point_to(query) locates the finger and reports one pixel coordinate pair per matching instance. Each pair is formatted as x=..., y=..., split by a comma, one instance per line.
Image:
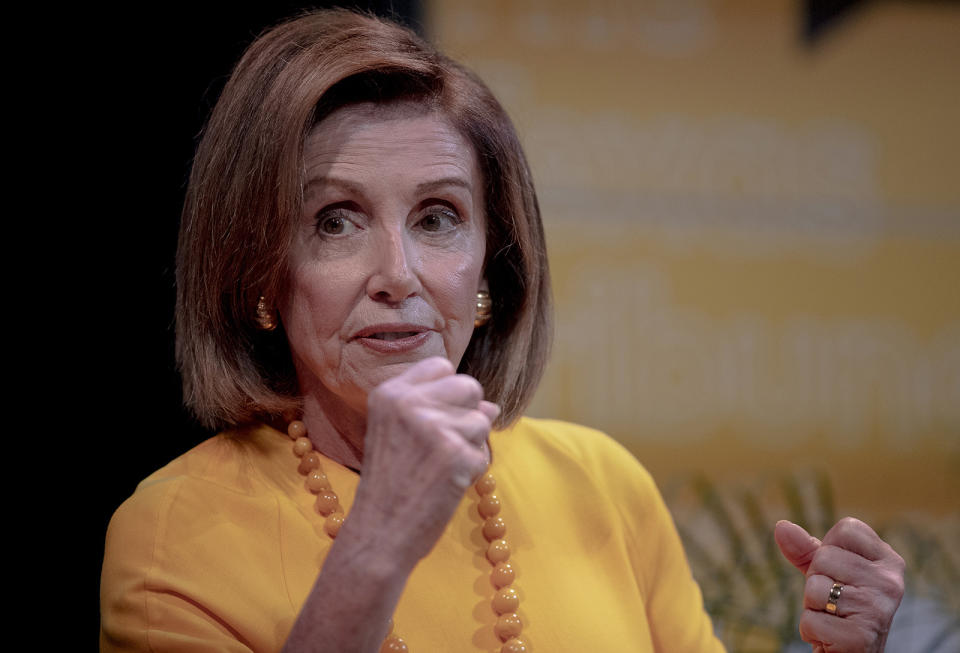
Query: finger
x=457, y=390
x=796, y=544
x=854, y=535
x=487, y=456
x=816, y=593
x=469, y=426
x=834, y=633
x=428, y=369
x=490, y=409
x=473, y=426
x=472, y=463
x=872, y=589
x=394, y=392
x=841, y=565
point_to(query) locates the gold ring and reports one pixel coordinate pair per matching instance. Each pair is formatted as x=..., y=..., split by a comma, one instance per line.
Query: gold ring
x=833, y=598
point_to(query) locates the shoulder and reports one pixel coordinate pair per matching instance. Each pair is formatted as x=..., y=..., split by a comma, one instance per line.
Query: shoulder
x=230, y=459
x=594, y=451
x=552, y=463
x=209, y=512
x=599, y=480
x=230, y=473
x=553, y=458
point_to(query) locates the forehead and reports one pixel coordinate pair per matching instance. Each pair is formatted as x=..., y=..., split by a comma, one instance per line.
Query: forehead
x=373, y=134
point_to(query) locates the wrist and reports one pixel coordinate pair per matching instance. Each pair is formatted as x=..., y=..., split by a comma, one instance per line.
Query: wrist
x=366, y=542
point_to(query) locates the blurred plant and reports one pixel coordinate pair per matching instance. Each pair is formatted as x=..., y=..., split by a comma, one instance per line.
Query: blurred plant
x=754, y=595
x=931, y=549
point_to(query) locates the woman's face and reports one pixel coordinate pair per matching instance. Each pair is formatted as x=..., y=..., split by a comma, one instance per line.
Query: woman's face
x=388, y=255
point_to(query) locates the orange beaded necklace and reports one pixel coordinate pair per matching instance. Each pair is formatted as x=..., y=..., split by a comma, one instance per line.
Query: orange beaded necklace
x=505, y=602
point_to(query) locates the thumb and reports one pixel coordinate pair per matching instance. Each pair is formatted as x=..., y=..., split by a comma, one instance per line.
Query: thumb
x=796, y=544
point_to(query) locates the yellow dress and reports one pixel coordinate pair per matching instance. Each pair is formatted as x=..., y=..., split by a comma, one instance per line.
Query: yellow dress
x=218, y=550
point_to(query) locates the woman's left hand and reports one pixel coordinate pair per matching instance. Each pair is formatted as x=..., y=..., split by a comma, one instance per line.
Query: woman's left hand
x=869, y=574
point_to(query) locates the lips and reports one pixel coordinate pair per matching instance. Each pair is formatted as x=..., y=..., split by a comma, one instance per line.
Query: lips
x=392, y=335
x=393, y=338
x=392, y=331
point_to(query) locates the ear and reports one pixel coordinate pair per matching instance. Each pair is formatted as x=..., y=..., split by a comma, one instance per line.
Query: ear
x=484, y=286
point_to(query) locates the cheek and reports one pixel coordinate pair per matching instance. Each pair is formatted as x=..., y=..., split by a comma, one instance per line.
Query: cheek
x=459, y=277
x=457, y=297
x=312, y=303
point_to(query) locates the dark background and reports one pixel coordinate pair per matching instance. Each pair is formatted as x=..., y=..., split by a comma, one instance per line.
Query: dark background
x=136, y=89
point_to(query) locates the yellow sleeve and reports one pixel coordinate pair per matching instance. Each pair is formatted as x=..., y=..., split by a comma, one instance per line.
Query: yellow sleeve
x=188, y=569
x=674, y=603
x=671, y=597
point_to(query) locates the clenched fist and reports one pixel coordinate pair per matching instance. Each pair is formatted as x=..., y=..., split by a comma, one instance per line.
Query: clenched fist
x=426, y=442
x=854, y=585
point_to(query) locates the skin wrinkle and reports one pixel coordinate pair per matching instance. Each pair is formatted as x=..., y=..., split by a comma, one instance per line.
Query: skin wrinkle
x=381, y=174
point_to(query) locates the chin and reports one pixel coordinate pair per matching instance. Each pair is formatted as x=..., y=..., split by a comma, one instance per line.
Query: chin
x=386, y=371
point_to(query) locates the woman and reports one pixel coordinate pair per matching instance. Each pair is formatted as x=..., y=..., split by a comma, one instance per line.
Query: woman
x=362, y=268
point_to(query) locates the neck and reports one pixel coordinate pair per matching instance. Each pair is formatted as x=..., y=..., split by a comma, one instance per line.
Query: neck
x=335, y=431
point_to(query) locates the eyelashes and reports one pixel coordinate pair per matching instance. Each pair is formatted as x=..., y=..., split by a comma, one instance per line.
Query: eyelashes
x=440, y=220
x=438, y=217
x=334, y=223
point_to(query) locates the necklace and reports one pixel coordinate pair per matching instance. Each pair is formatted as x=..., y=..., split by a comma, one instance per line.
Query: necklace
x=506, y=600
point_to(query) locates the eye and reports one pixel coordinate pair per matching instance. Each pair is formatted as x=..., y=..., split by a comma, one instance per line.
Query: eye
x=440, y=219
x=334, y=223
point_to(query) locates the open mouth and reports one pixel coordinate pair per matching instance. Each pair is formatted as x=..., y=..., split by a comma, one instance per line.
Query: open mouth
x=392, y=335
x=393, y=338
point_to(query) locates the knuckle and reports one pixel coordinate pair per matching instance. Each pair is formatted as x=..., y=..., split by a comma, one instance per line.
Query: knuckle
x=848, y=525
x=427, y=424
x=891, y=583
x=477, y=425
x=445, y=363
x=479, y=420
x=470, y=387
x=474, y=462
x=388, y=392
x=463, y=464
x=441, y=364
x=898, y=563
x=845, y=531
x=819, y=559
x=868, y=639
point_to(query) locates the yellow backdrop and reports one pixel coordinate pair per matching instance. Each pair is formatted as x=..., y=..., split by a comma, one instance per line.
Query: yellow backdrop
x=755, y=244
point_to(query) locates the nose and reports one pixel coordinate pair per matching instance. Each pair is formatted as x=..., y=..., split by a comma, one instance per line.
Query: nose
x=394, y=267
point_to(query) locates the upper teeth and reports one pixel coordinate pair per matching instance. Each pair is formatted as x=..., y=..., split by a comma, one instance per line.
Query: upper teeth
x=393, y=335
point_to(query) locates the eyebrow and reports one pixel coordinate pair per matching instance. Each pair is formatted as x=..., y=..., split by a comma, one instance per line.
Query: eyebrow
x=320, y=182
x=428, y=186
x=354, y=189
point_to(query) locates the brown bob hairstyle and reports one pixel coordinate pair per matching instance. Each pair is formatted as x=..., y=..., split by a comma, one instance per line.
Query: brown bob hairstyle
x=245, y=197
